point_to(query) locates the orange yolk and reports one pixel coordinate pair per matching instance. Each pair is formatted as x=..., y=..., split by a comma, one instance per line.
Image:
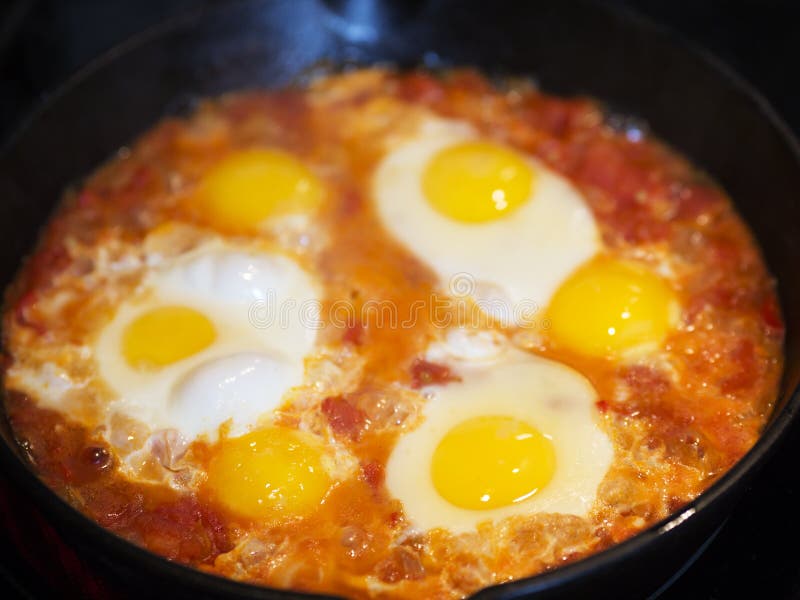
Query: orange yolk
x=165, y=335
x=477, y=182
x=608, y=306
x=272, y=474
x=492, y=461
x=250, y=186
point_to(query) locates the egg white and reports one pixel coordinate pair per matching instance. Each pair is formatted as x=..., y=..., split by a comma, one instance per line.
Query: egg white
x=498, y=380
x=253, y=298
x=510, y=266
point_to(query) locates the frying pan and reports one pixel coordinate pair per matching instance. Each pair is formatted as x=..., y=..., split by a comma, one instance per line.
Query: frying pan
x=569, y=48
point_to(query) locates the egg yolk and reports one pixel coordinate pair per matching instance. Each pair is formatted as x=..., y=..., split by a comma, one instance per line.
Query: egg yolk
x=608, y=306
x=476, y=182
x=270, y=474
x=250, y=186
x=165, y=335
x=492, y=461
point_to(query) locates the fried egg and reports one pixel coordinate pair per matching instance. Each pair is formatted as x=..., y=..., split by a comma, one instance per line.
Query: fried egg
x=274, y=473
x=612, y=307
x=217, y=335
x=492, y=223
x=518, y=434
x=249, y=188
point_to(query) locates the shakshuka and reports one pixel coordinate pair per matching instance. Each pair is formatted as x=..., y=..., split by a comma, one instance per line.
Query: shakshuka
x=390, y=335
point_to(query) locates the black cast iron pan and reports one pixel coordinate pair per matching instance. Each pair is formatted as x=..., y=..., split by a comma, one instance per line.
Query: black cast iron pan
x=574, y=47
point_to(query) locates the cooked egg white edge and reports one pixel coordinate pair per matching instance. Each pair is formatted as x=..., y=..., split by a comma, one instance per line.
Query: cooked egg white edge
x=527, y=253
x=257, y=357
x=557, y=400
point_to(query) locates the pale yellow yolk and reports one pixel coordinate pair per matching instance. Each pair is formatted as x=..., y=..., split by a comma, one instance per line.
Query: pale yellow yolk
x=165, y=335
x=608, y=306
x=476, y=182
x=270, y=474
x=250, y=186
x=493, y=461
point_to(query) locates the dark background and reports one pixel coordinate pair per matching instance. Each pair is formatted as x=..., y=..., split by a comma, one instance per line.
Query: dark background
x=756, y=554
